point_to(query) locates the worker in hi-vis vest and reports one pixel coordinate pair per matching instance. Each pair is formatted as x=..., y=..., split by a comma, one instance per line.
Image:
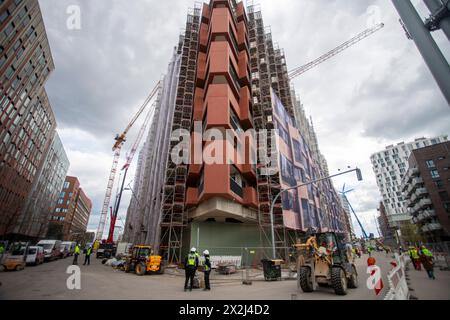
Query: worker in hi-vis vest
x=207, y=270
x=76, y=254
x=190, y=266
x=87, y=256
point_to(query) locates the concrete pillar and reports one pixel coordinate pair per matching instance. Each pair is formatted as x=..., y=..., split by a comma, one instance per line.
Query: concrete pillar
x=428, y=48
x=433, y=6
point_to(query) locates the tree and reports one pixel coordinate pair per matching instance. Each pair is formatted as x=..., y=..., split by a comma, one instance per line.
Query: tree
x=410, y=233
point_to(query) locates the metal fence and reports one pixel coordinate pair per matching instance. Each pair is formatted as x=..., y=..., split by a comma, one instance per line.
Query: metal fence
x=242, y=257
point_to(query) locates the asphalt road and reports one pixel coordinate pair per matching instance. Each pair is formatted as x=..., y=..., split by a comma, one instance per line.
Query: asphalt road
x=48, y=281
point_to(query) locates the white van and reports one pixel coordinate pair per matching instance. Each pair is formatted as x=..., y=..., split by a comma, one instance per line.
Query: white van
x=51, y=249
x=70, y=246
x=35, y=255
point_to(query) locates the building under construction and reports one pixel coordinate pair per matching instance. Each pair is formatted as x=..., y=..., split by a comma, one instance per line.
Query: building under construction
x=228, y=74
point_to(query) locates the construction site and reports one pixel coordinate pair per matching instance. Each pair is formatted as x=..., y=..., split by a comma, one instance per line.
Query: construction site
x=226, y=72
x=223, y=174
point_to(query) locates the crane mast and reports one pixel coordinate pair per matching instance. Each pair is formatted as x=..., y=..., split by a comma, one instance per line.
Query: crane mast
x=120, y=140
x=130, y=156
x=366, y=33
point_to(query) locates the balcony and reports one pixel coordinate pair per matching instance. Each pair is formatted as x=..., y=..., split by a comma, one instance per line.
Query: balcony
x=250, y=197
x=191, y=197
x=434, y=226
x=420, y=192
x=423, y=215
x=422, y=204
x=236, y=188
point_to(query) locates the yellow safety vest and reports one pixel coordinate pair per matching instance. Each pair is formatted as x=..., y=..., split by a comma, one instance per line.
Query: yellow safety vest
x=414, y=254
x=427, y=252
x=191, y=259
x=206, y=266
x=77, y=250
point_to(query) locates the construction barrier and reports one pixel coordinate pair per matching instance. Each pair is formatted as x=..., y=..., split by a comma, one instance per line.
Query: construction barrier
x=398, y=287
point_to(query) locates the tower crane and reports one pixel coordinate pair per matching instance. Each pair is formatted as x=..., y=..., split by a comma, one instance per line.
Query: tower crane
x=366, y=33
x=130, y=156
x=120, y=140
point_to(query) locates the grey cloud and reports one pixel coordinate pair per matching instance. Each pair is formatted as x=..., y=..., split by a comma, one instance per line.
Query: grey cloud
x=375, y=93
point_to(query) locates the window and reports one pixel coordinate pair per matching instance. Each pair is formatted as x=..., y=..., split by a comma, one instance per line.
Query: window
x=234, y=76
x=439, y=184
x=444, y=196
x=234, y=121
x=66, y=185
x=434, y=174
x=3, y=60
x=4, y=16
x=236, y=182
x=430, y=164
x=447, y=207
x=9, y=29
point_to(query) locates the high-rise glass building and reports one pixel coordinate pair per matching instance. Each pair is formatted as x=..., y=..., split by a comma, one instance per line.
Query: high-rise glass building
x=27, y=122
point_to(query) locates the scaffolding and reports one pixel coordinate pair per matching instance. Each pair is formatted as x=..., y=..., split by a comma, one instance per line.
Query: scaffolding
x=174, y=219
x=264, y=65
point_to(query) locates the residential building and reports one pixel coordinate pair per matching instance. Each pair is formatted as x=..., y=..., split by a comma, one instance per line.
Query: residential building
x=27, y=122
x=70, y=218
x=389, y=166
x=226, y=75
x=426, y=188
x=389, y=235
x=33, y=222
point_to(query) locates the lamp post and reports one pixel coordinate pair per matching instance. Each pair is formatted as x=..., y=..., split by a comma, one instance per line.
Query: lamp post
x=358, y=174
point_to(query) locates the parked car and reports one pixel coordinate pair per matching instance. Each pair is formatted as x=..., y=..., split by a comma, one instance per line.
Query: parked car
x=63, y=251
x=35, y=255
x=51, y=249
x=70, y=246
x=16, y=258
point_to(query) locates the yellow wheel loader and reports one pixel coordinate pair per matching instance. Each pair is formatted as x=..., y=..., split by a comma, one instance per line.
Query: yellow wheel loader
x=324, y=260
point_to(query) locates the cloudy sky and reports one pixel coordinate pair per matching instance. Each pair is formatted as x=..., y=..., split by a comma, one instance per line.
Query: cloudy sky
x=370, y=96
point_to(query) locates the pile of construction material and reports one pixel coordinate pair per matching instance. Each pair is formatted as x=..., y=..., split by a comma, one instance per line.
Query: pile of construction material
x=226, y=268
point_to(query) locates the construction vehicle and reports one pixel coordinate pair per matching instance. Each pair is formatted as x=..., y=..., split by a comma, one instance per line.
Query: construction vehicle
x=105, y=250
x=142, y=261
x=325, y=260
x=16, y=259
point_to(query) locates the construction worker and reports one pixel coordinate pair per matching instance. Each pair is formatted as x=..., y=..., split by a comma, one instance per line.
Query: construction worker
x=428, y=262
x=415, y=258
x=369, y=250
x=76, y=254
x=191, y=265
x=87, y=256
x=207, y=270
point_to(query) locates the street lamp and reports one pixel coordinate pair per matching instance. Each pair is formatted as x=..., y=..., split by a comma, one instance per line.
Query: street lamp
x=358, y=175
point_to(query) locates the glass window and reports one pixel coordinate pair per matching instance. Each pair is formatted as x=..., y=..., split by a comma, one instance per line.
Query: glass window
x=430, y=163
x=434, y=174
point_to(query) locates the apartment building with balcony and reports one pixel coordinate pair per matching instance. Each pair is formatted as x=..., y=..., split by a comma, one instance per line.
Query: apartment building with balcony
x=389, y=166
x=426, y=189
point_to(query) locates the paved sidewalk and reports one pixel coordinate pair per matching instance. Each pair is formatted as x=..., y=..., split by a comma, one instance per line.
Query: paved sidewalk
x=426, y=289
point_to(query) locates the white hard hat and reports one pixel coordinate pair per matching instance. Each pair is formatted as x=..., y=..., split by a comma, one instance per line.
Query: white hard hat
x=206, y=253
x=193, y=250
